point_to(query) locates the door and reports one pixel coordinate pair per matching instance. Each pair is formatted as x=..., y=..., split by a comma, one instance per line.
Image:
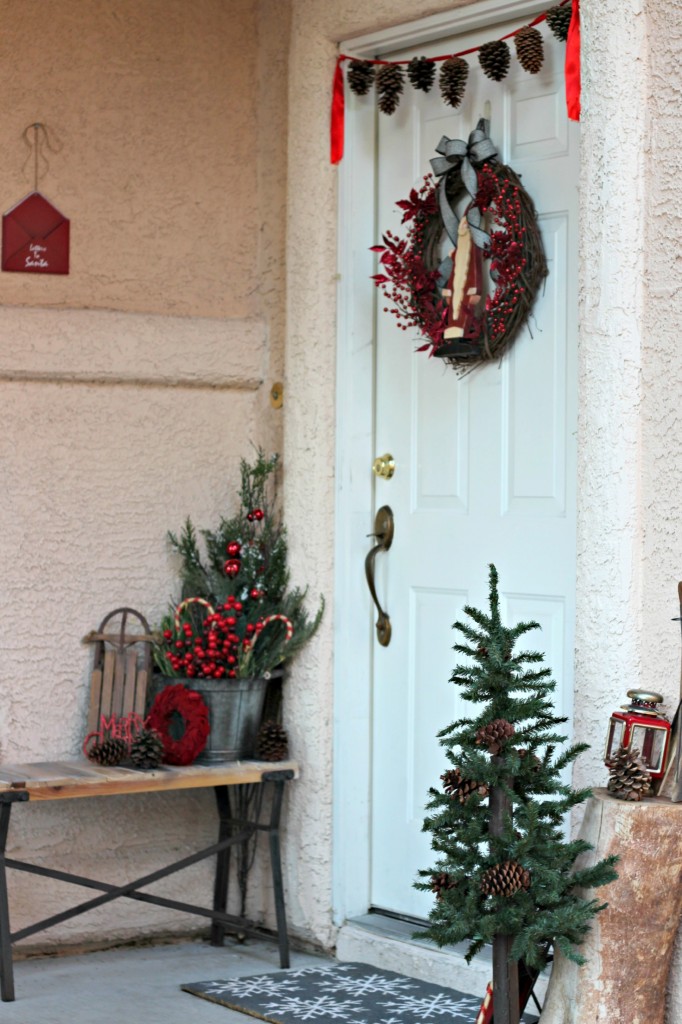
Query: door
x=485, y=465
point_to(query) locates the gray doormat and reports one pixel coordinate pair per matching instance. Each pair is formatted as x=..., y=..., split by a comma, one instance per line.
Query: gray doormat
x=340, y=994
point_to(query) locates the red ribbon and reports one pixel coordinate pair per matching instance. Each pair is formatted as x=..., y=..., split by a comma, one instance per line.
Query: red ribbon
x=338, y=114
x=573, y=64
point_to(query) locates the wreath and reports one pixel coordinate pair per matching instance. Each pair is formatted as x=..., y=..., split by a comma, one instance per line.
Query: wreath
x=173, y=702
x=445, y=298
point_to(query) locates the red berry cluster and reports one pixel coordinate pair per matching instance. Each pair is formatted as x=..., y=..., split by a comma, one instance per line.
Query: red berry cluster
x=406, y=282
x=507, y=259
x=212, y=652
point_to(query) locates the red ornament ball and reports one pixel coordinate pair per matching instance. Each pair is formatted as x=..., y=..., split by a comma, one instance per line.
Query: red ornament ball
x=231, y=567
x=255, y=593
x=233, y=548
x=258, y=514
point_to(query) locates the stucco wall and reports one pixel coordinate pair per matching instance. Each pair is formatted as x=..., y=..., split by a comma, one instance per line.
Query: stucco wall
x=130, y=388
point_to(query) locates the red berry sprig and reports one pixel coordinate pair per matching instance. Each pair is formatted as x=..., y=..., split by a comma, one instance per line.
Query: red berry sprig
x=212, y=652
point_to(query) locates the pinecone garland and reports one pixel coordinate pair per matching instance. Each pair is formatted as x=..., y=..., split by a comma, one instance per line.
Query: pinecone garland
x=529, y=49
x=628, y=776
x=109, y=752
x=495, y=58
x=558, y=19
x=421, y=72
x=360, y=76
x=505, y=879
x=453, y=79
x=494, y=735
x=272, y=743
x=455, y=786
x=390, y=85
x=146, y=750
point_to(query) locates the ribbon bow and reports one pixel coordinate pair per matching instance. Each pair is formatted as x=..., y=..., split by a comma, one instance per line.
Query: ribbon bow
x=476, y=151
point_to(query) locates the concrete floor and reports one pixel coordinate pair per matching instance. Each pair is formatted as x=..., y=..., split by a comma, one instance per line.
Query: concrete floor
x=136, y=986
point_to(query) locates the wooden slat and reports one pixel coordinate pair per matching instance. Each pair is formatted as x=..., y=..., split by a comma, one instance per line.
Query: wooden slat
x=119, y=681
x=128, y=638
x=128, y=700
x=140, y=692
x=95, y=701
x=59, y=780
x=107, y=682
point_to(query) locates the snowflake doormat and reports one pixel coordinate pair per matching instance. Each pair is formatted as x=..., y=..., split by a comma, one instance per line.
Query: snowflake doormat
x=340, y=994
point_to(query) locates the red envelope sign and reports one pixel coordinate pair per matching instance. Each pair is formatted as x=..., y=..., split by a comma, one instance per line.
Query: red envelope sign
x=35, y=237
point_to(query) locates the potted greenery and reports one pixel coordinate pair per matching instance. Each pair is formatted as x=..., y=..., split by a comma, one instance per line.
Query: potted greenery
x=238, y=622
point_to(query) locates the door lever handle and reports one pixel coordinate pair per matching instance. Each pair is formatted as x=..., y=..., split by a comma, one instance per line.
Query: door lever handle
x=383, y=532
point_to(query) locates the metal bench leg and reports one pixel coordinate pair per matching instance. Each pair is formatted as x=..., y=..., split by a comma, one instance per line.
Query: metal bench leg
x=222, y=868
x=276, y=865
x=6, y=969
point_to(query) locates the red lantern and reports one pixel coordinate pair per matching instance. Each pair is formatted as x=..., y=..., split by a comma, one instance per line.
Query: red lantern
x=640, y=725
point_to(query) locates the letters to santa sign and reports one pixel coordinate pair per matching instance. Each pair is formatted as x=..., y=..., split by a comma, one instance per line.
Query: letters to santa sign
x=35, y=237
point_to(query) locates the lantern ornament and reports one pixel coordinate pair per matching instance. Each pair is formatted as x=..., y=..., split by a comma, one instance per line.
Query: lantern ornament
x=642, y=726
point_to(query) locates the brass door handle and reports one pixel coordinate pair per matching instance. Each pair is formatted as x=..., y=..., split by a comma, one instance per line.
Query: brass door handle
x=383, y=531
x=384, y=466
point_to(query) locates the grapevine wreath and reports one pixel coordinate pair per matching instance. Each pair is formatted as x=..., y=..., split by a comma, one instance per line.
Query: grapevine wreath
x=445, y=299
x=174, y=701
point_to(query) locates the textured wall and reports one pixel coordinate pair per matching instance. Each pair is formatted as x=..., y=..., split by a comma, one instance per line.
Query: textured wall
x=130, y=388
x=610, y=596
x=662, y=372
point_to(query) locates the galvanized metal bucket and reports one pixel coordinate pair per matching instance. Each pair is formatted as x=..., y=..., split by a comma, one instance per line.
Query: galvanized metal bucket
x=235, y=709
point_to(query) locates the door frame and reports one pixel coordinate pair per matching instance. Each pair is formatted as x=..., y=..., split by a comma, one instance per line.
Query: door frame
x=355, y=382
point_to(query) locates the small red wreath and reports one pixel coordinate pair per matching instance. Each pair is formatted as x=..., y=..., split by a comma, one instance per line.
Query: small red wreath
x=188, y=704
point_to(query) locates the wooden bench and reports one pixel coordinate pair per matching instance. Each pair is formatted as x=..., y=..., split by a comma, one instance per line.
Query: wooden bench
x=68, y=780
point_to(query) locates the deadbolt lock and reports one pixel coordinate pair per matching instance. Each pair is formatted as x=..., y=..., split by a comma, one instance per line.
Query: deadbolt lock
x=384, y=466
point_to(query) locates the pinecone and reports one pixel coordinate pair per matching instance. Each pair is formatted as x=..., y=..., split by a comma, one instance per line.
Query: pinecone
x=441, y=883
x=146, y=750
x=529, y=49
x=558, y=19
x=455, y=786
x=628, y=776
x=453, y=80
x=495, y=734
x=390, y=84
x=272, y=743
x=109, y=752
x=494, y=58
x=421, y=72
x=536, y=763
x=360, y=76
x=505, y=879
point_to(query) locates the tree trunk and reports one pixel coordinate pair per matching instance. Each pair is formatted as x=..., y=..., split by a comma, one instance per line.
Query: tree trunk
x=505, y=971
x=629, y=948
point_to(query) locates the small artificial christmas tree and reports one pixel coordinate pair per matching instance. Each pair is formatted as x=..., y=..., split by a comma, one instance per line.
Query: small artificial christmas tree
x=244, y=577
x=505, y=873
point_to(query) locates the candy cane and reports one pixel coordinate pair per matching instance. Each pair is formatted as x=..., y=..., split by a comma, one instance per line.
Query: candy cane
x=191, y=600
x=246, y=660
x=285, y=620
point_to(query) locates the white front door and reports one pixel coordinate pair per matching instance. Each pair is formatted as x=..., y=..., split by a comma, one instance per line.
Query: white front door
x=485, y=465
